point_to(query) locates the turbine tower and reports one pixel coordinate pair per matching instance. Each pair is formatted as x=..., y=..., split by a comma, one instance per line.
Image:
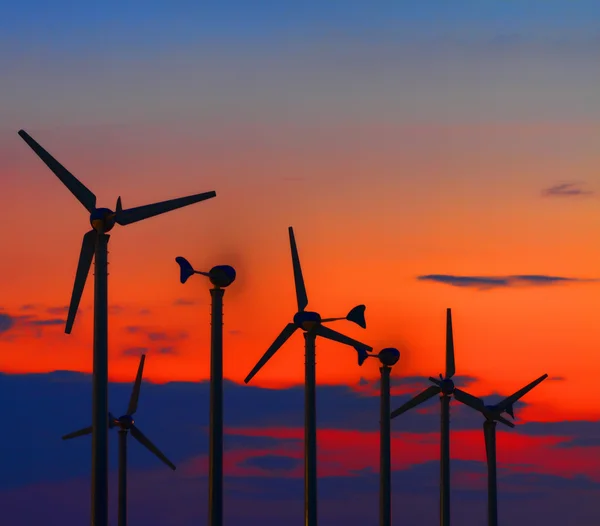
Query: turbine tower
x=95, y=246
x=126, y=424
x=312, y=325
x=445, y=388
x=493, y=414
x=388, y=357
x=220, y=276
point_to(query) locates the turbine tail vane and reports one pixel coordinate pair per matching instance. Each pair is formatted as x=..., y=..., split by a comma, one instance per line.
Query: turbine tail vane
x=133, y=215
x=301, y=296
x=75, y=186
x=450, y=368
x=142, y=439
x=135, y=394
x=88, y=248
x=357, y=315
x=430, y=392
x=285, y=334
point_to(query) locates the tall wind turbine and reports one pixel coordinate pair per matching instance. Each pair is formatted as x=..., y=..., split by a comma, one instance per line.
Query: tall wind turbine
x=312, y=325
x=95, y=246
x=220, y=276
x=388, y=357
x=126, y=424
x=445, y=388
x=493, y=414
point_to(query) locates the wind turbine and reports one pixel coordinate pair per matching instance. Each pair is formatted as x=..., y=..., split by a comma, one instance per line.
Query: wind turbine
x=388, y=357
x=312, y=325
x=445, y=388
x=220, y=276
x=493, y=414
x=95, y=246
x=126, y=424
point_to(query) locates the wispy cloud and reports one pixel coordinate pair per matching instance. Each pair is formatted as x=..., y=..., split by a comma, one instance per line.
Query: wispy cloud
x=491, y=282
x=566, y=190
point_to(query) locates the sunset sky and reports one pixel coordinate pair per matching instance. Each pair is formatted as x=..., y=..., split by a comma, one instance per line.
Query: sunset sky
x=428, y=155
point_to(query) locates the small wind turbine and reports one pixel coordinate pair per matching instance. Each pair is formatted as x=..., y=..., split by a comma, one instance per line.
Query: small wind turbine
x=388, y=357
x=95, y=246
x=126, y=424
x=493, y=414
x=220, y=276
x=445, y=388
x=312, y=325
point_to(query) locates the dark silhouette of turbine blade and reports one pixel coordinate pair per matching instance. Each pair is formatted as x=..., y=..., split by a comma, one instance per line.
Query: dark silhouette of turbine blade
x=507, y=403
x=80, y=433
x=135, y=394
x=330, y=334
x=132, y=215
x=501, y=419
x=450, y=370
x=76, y=187
x=430, y=392
x=142, y=439
x=285, y=334
x=469, y=399
x=88, y=247
x=301, y=296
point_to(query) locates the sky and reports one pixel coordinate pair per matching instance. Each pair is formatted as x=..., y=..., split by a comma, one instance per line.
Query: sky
x=428, y=155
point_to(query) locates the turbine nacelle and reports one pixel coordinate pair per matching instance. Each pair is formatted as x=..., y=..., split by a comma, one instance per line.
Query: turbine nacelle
x=388, y=356
x=446, y=386
x=220, y=276
x=307, y=320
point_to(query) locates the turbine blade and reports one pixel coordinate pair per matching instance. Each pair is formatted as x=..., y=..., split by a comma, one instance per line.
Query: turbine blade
x=132, y=215
x=135, y=394
x=435, y=381
x=88, y=248
x=450, y=369
x=469, y=399
x=430, y=392
x=330, y=334
x=79, y=433
x=289, y=329
x=76, y=187
x=142, y=439
x=301, y=296
x=510, y=400
x=503, y=420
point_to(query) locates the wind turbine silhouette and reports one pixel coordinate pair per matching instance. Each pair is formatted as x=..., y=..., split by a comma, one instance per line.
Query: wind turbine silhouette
x=95, y=246
x=221, y=277
x=445, y=388
x=388, y=357
x=312, y=325
x=493, y=414
x=126, y=424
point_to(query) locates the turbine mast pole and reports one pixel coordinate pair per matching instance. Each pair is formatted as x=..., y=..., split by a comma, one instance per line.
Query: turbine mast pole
x=385, y=503
x=100, y=386
x=215, y=490
x=122, y=477
x=489, y=429
x=310, y=431
x=445, y=462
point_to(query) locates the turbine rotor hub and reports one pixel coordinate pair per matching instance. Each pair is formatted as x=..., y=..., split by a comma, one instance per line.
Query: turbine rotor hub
x=125, y=422
x=389, y=356
x=307, y=320
x=447, y=386
x=222, y=275
x=102, y=220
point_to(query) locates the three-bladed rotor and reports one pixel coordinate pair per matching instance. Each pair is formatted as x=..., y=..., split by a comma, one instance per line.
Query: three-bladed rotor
x=126, y=422
x=101, y=219
x=310, y=322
